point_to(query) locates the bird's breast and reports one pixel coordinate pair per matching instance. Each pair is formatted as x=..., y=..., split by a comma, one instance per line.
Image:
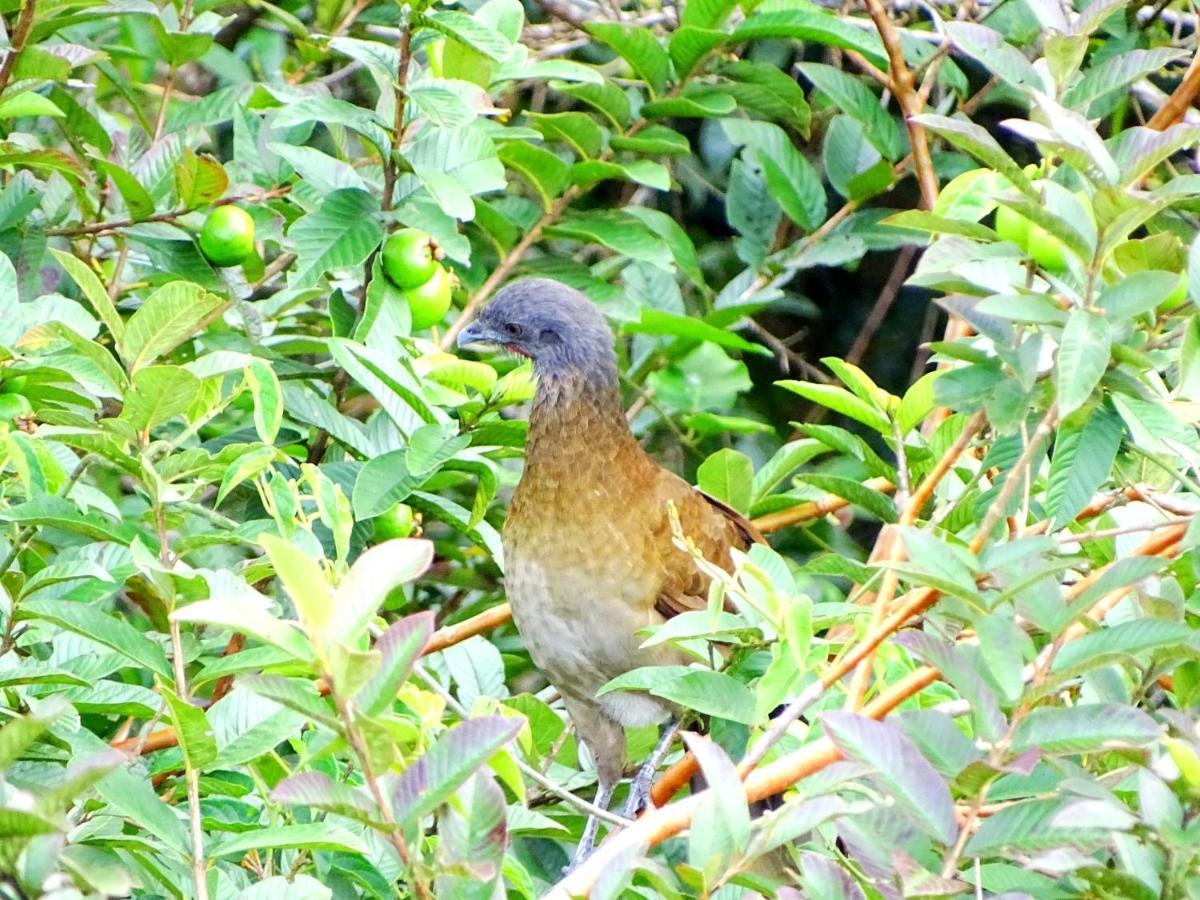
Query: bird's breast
x=582, y=568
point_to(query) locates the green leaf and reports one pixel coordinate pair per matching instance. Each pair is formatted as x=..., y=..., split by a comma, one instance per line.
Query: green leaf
x=654, y=140
x=637, y=46
x=199, y=180
x=898, y=765
x=158, y=394
x=315, y=836
x=247, y=613
x=171, y=315
x=655, y=321
x=1117, y=72
x=1083, y=356
x=268, y=399
x=700, y=102
x=545, y=172
x=1189, y=361
x=116, y=634
x=706, y=13
x=879, y=505
x=132, y=797
x=1029, y=826
x=619, y=232
x=810, y=24
x=306, y=584
x=467, y=30
x=1083, y=457
x=606, y=98
x=1136, y=294
x=137, y=199
x=689, y=45
x=55, y=512
x=27, y=103
x=728, y=476
x=373, y=576
x=339, y=234
x=191, y=727
x=720, y=828
x=639, y=171
x=399, y=647
x=1084, y=728
x=705, y=691
x=94, y=291
x=855, y=99
x=978, y=141
x=20, y=732
x=791, y=178
x=841, y=401
x=454, y=757
x=575, y=129
x=768, y=92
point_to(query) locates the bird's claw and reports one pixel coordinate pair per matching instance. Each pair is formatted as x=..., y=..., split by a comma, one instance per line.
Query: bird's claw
x=639, y=792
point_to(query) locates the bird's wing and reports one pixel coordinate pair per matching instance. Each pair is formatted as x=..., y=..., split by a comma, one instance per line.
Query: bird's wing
x=714, y=528
x=743, y=526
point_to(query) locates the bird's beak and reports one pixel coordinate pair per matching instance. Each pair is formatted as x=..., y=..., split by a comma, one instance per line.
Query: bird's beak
x=473, y=334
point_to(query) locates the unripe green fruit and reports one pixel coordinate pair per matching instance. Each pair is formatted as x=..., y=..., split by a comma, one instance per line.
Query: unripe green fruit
x=428, y=302
x=1177, y=297
x=1049, y=252
x=397, y=522
x=1012, y=226
x=228, y=236
x=13, y=406
x=13, y=384
x=408, y=258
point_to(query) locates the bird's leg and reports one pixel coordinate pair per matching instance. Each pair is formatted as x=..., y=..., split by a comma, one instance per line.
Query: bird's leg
x=643, y=781
x=604, y=794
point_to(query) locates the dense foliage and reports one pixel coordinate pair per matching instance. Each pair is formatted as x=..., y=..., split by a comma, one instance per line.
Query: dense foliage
x=252, y=640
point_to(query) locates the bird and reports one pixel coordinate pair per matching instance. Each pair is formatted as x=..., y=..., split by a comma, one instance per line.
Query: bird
x=590, y=553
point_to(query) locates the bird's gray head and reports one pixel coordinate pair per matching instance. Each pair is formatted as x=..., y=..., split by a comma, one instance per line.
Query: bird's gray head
x=554, y=325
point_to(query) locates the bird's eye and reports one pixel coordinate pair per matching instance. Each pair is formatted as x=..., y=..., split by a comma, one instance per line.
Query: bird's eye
x=514, y=330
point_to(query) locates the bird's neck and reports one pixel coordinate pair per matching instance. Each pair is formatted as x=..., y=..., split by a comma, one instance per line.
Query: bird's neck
x=577, y=412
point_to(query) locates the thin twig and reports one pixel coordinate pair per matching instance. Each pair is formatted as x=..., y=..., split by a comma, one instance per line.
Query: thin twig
x=907, y=98
x=890, y=549
x=99, y=228
x=400, y=90
x=527, y=770
x=16, y=46
x=882, y=304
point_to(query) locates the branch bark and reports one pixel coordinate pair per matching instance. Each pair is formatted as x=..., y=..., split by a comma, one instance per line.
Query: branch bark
x=20, y=35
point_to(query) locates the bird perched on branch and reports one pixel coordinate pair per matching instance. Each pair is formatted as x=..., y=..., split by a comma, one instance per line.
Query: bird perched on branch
x=589, y=547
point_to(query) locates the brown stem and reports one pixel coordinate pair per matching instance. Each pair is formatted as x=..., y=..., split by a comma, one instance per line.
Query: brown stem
x=1181, y=98
x=98, y=228
x=401, y=96
x=890, y=549
x=394, y=834
x=20, y=35
x=904, y=88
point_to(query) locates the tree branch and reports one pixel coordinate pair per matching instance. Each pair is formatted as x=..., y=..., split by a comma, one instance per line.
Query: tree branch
x=904, y=89
x=20, y=35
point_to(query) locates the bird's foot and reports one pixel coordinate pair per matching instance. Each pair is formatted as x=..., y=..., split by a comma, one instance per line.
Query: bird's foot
x=586, y=844
x=643, y=782
x=588, y=841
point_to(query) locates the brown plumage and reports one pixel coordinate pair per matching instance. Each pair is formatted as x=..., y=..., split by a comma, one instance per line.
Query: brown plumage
x=589, y=549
